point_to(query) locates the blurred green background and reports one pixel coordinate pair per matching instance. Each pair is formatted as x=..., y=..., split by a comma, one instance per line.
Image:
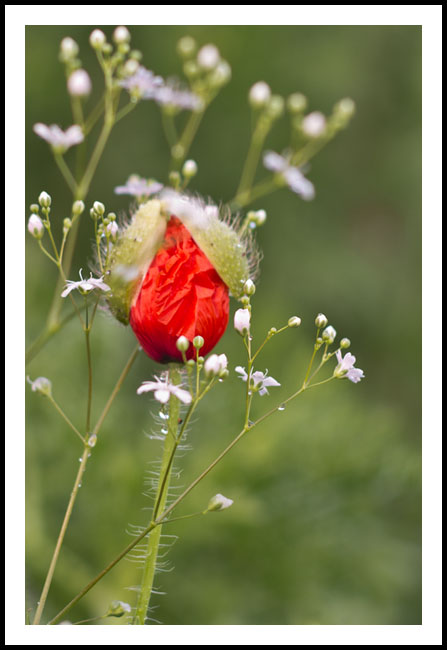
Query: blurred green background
x=326, y=524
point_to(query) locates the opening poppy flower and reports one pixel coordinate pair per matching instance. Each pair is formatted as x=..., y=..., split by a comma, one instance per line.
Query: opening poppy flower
x=181, y=295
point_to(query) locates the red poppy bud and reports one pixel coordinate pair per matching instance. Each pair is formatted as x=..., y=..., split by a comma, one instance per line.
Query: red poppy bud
x=181, y=295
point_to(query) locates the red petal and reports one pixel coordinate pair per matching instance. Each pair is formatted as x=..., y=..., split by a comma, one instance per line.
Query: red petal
x=181, y=295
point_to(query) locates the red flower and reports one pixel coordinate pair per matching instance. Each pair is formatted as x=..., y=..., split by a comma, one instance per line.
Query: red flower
x=181, y=295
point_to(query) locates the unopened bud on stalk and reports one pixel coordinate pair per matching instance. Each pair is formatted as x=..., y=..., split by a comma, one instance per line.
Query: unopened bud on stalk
x=275, y=106
x=41, y=385
x=67, y=224
x=69, y=49
x=112, y=230
x=130, y=67
x=34, y=208
x=296, y=103
x=99, y=208
x=321, y=321
x=249, y=288
x=186, y=47
x=79, y=84
x=242, y=321
x=345, y=343
x=78, y=208
x=35, y=226
x=198, y=342
x=44, y=200
x=314, y=125
x=294, y=321
x=189, y=168
x=121, y=35
x=208, y=57
x=329, y=334
x=259, y=94
x=182, y=343
x=97, y=39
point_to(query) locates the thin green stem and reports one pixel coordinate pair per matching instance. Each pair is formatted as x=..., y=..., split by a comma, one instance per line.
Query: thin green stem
x=181, y=149
x=169, y=129
x=66, y=173
x=254, y=151
x=49, y=578
x=90, y=374
x=66, y=418
x=170, y=446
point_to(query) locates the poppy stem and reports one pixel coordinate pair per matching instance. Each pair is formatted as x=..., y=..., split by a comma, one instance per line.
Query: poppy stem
x=153, y=542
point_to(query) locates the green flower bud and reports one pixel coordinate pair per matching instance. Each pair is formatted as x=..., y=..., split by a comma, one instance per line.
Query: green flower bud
x=294, y=321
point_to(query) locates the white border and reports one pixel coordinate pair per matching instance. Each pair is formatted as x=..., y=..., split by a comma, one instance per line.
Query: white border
x=429, y=16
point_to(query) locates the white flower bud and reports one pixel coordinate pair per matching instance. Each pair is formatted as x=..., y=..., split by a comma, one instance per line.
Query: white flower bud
x=35, y=226
x=92, y=440
x=242, y=321
x=345, y=107
x=249, y=288
x=44, y=200
x=296, y=103
x=259, y=94
x=321, y=321
x=219, y=502
x=208, y=57
x=212, y=365
x=121, y=35
x=69, y=48
x=198, y=342
x=189, y=168
x=314, y=124
x=329, y=334
x=79, y=84
x=294, y=321
x=78, y=207
x=259, y=217
x=99, y=208
x=182, y=343
x=345, y=343
x=221, y=75
x=275, y=106
x=186, y=47
x=112, y=229
x=97, y=39
x=130, y=67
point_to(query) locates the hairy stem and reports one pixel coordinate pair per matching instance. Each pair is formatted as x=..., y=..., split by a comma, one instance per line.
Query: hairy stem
x=160, y=501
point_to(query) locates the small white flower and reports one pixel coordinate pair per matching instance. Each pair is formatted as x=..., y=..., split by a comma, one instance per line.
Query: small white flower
x=79, y=83
x=136, y=186
x=314, y=124
x=259, y=381
x=219, y=502
x=259, y=94
x=346, y=368
x=215, y=364
x=163, y=390
x=208, y=57
x=40, y=385
x=171, y=94
x=59, y=140
x=85, y=285
x=242, y=321
x=189, y=168
x=293, y=176
x=143, y=84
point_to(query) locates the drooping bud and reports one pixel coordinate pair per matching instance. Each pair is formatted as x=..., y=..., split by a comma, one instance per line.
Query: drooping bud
x=219, y=502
